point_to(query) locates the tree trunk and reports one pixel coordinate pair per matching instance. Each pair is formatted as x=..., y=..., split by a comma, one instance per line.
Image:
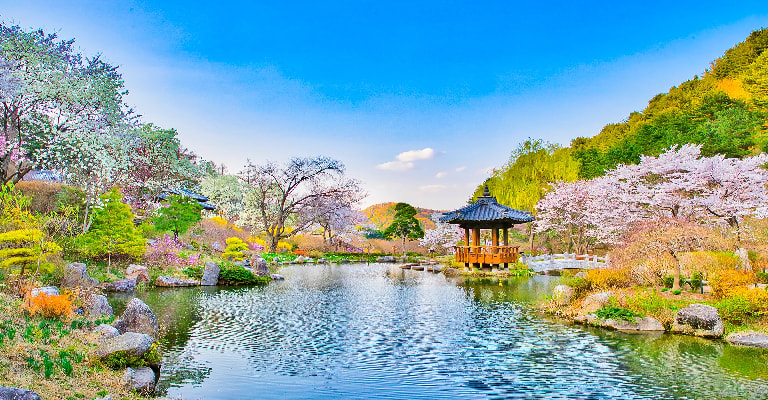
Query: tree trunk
x=109, y=262
x=404, y=252
x=678, y=268
x=272, y=241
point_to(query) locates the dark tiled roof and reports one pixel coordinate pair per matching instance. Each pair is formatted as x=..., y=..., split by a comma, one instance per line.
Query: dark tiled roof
x=486, y=209
x=202, y=200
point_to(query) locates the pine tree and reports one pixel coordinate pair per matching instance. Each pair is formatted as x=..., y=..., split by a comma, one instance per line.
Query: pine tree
x=404, y=225
x=112, y=230
x=181, y=213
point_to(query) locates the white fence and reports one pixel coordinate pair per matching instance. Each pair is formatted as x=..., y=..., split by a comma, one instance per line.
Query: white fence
x=548, y=262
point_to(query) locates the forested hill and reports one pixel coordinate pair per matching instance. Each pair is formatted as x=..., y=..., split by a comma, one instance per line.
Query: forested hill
x=381, y=215
x=725, y=110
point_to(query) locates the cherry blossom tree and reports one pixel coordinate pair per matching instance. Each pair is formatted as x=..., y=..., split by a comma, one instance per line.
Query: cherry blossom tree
x=442, y=238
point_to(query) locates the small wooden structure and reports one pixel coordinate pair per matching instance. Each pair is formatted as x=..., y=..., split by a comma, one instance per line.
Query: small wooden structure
x=486, y=213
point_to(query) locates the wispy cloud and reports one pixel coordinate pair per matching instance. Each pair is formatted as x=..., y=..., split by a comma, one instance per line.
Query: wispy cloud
x=460, y=169
x=433, y=188
x=441, y=174
x=404, y=161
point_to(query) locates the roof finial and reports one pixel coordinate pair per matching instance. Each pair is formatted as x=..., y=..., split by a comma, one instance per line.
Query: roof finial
x=486, y=192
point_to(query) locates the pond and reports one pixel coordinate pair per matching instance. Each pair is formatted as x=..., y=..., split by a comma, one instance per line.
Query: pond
x=378, y=332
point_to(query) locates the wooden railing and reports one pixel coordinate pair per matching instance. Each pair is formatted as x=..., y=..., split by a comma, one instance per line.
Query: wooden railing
x=487, y=254
x=564, y=261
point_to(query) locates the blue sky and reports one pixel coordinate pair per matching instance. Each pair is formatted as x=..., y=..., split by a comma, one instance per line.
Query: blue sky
x=418, y=99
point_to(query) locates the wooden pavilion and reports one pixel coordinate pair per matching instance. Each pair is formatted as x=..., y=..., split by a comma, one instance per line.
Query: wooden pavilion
x=486, y=213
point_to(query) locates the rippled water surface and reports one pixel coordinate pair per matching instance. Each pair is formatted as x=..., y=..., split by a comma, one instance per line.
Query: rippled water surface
x=378, y=332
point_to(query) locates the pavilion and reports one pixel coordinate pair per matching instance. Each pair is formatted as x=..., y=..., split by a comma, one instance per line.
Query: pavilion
x=486, y=213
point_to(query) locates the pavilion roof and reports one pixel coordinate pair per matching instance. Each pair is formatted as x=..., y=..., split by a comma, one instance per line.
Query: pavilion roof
x=486, y=211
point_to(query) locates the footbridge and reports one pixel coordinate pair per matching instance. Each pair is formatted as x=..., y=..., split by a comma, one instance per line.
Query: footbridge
x=548, y=262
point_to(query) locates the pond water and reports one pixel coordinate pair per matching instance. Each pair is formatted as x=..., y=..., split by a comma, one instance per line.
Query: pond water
x=378, y=332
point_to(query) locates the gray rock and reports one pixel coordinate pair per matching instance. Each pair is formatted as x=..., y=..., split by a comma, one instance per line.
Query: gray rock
x=129, y=344
x=12, y=393
x=344, y=261
x=107, y=331
x=139, y=272
x=595, y=302
x=47, y=290
x=169, y=281
x=437, y=268
x=277, y=277
x=216, y=246
x=582, y=274
x=698, y=320
x=107, y=397
x=210, y=274
x=385, y=259
x=76, y=274
x=322, y=261
x=137, y=317
x=753, y=339
x=141, y=380
x=646, y=324
x=300, y=260
x=97, y=306
x=122, y=285
x=259, y=265
x=562, y=294
x=451, y=272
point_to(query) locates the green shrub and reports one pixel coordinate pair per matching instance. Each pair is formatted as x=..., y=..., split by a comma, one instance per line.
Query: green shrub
x=232, y=274
x=580, y=285
x=762, y=277
x=668, y=281
x=736, y=310
x=696, y=280
x=677, y=292
x=193, y=272
x=614, y=312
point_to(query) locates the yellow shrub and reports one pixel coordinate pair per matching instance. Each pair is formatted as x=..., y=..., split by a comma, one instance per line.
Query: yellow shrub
x=605, y=278
x=50, y=306
x=727, y=283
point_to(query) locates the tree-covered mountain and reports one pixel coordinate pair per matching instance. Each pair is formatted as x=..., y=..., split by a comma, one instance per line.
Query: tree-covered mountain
x=725, y=111
x=381, y=215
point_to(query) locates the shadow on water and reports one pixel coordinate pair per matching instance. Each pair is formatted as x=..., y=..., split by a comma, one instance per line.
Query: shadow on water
x=377, y=331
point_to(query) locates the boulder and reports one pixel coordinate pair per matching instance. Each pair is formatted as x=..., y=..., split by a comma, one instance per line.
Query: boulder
x=646, y=324
x=322, y=261
x=451, y=272
x=139, y=272
x=97, y=306
x=129, y=344
x=753, y=339
x=259, y=265
x=437, y=268
x=169, y=281
x=140, y=379
x=47, y=290
x=210, y=274
x=595, y=302
x=76, y=274
x=344, y=261
x=107, y=331
x=122, y=285
x=562, y=294
x=385, y=259
x=698, y=320
x=277, y=277
x=300, y=260
x=12, y=393
x=137, y=317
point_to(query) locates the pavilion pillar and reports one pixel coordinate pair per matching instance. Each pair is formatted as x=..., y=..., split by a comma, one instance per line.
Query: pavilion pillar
x=476, y=243
x=467, y=243
x=506, y=243
x=495, y=236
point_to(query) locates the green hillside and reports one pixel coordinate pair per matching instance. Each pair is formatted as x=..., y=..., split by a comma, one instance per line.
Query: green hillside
x=725, y=110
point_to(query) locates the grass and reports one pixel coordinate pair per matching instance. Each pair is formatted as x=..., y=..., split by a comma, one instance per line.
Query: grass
x=50, y=356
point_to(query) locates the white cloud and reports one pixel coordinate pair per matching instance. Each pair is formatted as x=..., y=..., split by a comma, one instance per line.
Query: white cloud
x=433, y=188
x=460, y=169
x=441, y=175
x=404, y=161
x=415, y=155
x=397, y=166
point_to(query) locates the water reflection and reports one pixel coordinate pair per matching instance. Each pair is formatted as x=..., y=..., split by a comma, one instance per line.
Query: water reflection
x=376, y=331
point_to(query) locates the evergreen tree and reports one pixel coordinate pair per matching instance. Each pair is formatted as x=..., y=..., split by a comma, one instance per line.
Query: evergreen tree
x=112, y=230
x=181, y=213
x=405, y=225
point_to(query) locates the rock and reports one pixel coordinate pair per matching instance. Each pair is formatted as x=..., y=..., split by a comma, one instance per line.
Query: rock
x=582, y=274
x=385, y=259
x=47, y=290
x=122, y=285
x=646, y=324
x=344, y=261
x=137, y=317
x=216, y=246
x=277, y=277
x=562, y=294
x=12, y=393
x=139, y=272
x=259, y=265
x=698, y=320
x=107, y=397
x=169, y=281
x=107, y=331
x=595, y=302
x=322, y=261
x=437, y=268
x=97, y=306
x=743, y=256
x=210, y=274
x=141, y=380
x=753, y=339
x=451, y=272
x=76, y=274
x=300, y=260
x=129, y=344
